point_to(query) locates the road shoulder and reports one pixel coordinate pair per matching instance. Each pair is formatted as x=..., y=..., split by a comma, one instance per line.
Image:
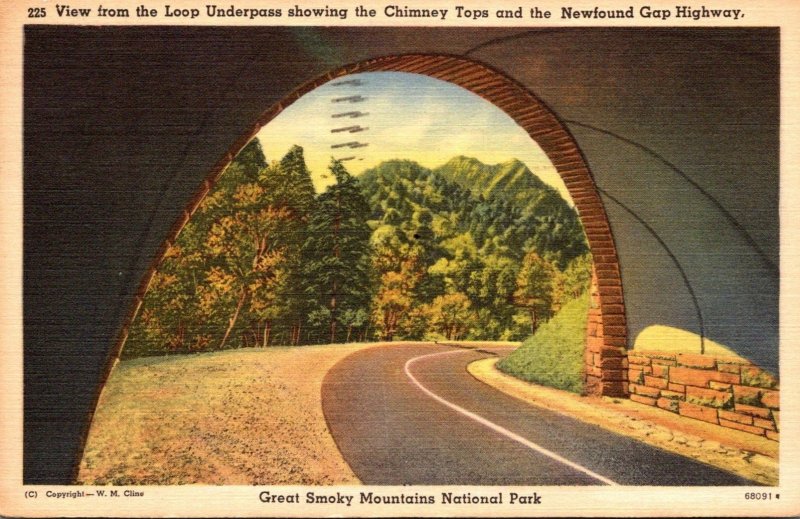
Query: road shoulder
x=734, y=451
x=235, y=417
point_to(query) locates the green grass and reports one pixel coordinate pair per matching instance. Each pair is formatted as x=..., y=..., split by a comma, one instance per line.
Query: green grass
x=553, y=356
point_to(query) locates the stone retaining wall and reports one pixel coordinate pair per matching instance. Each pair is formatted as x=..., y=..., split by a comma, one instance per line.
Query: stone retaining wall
x=727, y=391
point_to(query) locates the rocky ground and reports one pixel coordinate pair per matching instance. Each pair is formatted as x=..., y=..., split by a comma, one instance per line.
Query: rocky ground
x=240, y=417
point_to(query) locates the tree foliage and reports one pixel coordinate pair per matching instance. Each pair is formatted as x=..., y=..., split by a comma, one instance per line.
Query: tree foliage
x=337, y=257
x=400, y=252
x=536, y=288
x=473, y=243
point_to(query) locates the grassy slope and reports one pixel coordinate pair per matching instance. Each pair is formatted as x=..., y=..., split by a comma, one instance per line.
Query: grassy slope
x=247, y=417
x=554, y=355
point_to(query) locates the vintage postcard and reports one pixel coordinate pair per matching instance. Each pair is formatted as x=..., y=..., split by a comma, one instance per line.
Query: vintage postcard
x=349, y=259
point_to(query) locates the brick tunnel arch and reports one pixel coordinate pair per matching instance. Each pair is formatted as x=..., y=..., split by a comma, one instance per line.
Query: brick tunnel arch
x=605, y=355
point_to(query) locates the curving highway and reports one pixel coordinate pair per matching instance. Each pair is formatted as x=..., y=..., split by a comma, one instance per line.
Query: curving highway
x=406, y=414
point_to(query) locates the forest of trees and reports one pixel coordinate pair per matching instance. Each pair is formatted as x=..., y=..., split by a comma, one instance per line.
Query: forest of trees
x=466, y=251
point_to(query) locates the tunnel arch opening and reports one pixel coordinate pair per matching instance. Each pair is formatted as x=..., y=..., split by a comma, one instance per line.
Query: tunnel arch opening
x=605, y=350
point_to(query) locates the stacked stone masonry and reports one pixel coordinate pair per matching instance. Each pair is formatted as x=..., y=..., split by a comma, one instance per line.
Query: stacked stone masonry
x=727, y=391
x=605, y=359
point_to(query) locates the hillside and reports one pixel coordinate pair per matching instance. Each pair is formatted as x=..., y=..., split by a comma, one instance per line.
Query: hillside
x=505, y=205
x=497, y=265
x=553, y=356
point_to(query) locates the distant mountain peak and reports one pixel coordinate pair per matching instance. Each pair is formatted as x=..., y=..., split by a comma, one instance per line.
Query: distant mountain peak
x=509, y=180
x=460, y=160
x=464, y=160
x=513, y=162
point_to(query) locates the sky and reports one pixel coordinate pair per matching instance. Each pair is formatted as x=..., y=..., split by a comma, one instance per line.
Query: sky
x=409, y=116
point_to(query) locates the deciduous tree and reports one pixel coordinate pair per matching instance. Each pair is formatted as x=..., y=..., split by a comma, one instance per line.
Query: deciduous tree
x=535, y=291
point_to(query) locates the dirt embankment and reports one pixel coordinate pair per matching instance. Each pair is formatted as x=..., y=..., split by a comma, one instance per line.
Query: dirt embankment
x=242, y=417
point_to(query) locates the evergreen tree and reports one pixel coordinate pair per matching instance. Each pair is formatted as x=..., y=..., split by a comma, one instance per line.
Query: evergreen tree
x=337, y=252
x=189, y=300
x=287, y=185
x=577, y=276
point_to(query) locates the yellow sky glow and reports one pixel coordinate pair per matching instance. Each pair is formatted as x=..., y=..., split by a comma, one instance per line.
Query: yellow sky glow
x=409, y=116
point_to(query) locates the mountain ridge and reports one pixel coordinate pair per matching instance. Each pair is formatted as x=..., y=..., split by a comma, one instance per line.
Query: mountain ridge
x=510, y=180
x=504, y=201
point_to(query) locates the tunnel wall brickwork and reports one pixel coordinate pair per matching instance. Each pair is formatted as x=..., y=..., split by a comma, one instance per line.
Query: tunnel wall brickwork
x=606, y=363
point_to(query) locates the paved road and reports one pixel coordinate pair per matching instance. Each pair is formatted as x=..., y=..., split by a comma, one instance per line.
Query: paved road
x=412, y=414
